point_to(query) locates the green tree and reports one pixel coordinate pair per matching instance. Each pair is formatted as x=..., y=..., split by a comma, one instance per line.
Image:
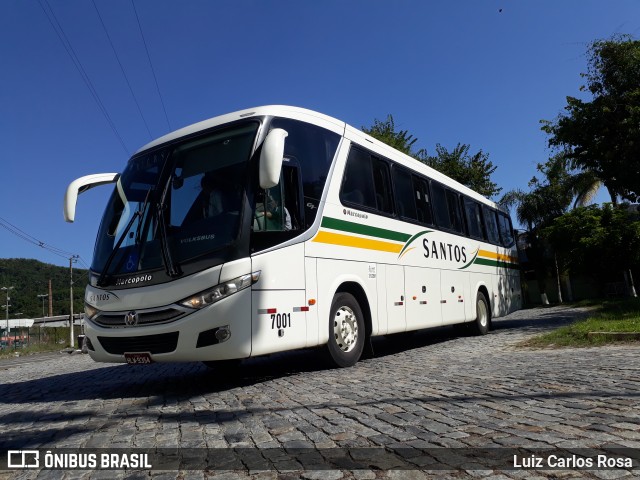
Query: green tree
x=547, y=200
x=386, y=132
x=601, y=136
x=471, y=170
x=602, y=242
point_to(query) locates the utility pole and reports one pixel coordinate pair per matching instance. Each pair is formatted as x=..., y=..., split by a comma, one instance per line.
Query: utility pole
x=50, y=300
x=43, y=296
x=71, y=260
x=6, y=289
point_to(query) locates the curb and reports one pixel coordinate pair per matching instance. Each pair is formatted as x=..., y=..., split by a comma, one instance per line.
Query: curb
x=617, y=336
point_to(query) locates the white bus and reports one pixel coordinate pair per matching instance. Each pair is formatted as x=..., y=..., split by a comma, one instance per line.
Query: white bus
x=278, y=228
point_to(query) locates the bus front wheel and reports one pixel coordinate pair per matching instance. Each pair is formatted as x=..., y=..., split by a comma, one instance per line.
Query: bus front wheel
x=346, y=331
x=483, y=316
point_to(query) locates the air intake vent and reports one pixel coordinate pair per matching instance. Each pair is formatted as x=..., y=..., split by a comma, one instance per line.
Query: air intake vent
x=163, y=343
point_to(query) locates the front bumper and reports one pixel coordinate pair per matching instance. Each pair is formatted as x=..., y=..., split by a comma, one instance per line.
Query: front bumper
x=190, y=338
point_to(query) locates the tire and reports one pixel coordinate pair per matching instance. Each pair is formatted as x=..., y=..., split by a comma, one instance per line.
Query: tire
x=346, y=331
x=481, y=324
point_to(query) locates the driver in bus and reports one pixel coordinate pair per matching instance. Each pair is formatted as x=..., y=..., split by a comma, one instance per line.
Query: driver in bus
x=270, y=215
x=212, y=197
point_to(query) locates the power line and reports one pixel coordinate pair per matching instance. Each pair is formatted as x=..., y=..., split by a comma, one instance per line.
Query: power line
x=57, y=27
x=151, y=64
x=18, y=232
x=33, y=240
x=122, y=69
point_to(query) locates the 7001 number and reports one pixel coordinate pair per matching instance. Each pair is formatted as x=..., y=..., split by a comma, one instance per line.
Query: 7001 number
x=280, y=320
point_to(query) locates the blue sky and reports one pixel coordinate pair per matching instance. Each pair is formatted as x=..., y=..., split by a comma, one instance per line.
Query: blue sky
x=448, y=71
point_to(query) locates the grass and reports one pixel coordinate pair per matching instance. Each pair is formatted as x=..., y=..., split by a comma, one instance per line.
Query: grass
x=31, y=349
x=50, y=339
x=609, y=316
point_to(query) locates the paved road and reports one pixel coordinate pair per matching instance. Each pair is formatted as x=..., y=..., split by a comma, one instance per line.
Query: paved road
x=416, y=396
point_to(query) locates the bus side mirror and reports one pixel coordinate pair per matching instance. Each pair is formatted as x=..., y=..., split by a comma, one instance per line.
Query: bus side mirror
x=81, y=185
x=271, y=158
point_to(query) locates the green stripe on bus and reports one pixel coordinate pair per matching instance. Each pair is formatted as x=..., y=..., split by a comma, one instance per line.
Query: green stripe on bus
x=473, y=260
x=351, y=227
x=417, y=235
x=495, y=263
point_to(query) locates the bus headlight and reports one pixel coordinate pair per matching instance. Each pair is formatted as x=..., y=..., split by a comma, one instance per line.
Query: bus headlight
x=89, y=311
x=223, y=290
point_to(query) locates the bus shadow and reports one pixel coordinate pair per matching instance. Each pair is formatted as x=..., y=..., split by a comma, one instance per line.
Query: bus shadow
x=151, y=387
x=158, y=381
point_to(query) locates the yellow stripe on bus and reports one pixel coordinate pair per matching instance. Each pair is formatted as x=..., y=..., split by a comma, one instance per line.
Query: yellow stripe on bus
x=497, y=256
x=357, y=242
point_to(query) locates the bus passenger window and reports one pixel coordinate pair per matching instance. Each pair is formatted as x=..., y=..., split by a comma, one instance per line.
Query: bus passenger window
x=405, y=202
x=423, y=205
x=474, y=218
x=440, y=208
x=455, y=216
x=506, y=232
x=357, y=185
x=382, y=185
x=491, y=223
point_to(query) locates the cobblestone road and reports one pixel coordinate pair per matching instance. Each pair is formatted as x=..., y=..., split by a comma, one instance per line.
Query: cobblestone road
x=430, y=391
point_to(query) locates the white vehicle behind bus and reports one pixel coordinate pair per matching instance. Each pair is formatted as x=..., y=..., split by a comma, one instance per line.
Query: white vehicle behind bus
x=279, y=228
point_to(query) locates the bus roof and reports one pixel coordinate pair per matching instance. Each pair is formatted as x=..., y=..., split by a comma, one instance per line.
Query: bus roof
x=329, y=123
x=268, y=110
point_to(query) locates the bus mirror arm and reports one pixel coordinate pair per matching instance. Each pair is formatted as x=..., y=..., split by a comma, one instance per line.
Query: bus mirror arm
x=81, y=185
x=271, y=158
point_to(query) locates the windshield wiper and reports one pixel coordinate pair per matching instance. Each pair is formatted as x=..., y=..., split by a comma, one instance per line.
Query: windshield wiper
x=139, y=214
x=172, y=267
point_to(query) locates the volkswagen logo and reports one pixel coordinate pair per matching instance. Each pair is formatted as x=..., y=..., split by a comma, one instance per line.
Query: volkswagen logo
x=131, y=318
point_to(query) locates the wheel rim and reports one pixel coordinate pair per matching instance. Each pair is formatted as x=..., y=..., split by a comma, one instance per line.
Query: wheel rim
x=345, y=329
x=483, y=317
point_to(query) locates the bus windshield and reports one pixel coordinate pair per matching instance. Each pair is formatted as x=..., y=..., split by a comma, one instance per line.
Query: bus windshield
x=175, y=204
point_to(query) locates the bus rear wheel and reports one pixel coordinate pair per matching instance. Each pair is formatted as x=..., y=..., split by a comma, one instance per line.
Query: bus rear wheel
x=483, y=316
x=346, y=331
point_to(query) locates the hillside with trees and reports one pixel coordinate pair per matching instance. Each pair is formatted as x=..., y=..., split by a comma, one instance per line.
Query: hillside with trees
x=30, y=278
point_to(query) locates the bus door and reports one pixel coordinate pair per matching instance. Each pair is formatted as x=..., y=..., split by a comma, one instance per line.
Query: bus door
x=279, y=303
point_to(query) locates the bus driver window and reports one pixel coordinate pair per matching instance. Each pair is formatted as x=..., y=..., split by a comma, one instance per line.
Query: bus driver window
x=271, y=214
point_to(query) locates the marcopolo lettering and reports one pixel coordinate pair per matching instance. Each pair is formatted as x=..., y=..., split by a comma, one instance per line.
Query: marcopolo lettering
x=134, y=280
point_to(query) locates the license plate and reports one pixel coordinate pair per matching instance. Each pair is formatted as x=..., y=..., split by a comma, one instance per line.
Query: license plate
x=138, y=358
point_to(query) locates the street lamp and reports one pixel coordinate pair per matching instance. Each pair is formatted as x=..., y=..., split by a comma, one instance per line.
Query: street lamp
x=6, y=289
x=43, y=296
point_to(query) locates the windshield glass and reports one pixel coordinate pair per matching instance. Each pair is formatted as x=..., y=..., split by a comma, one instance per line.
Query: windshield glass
x=191, y=192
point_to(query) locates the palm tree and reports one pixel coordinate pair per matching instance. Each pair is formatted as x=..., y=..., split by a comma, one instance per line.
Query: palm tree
x=561, y=191
x=534, y=209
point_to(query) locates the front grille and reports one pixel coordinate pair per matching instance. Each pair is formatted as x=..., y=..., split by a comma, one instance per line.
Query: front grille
x=162, y=343
x=145, y=317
